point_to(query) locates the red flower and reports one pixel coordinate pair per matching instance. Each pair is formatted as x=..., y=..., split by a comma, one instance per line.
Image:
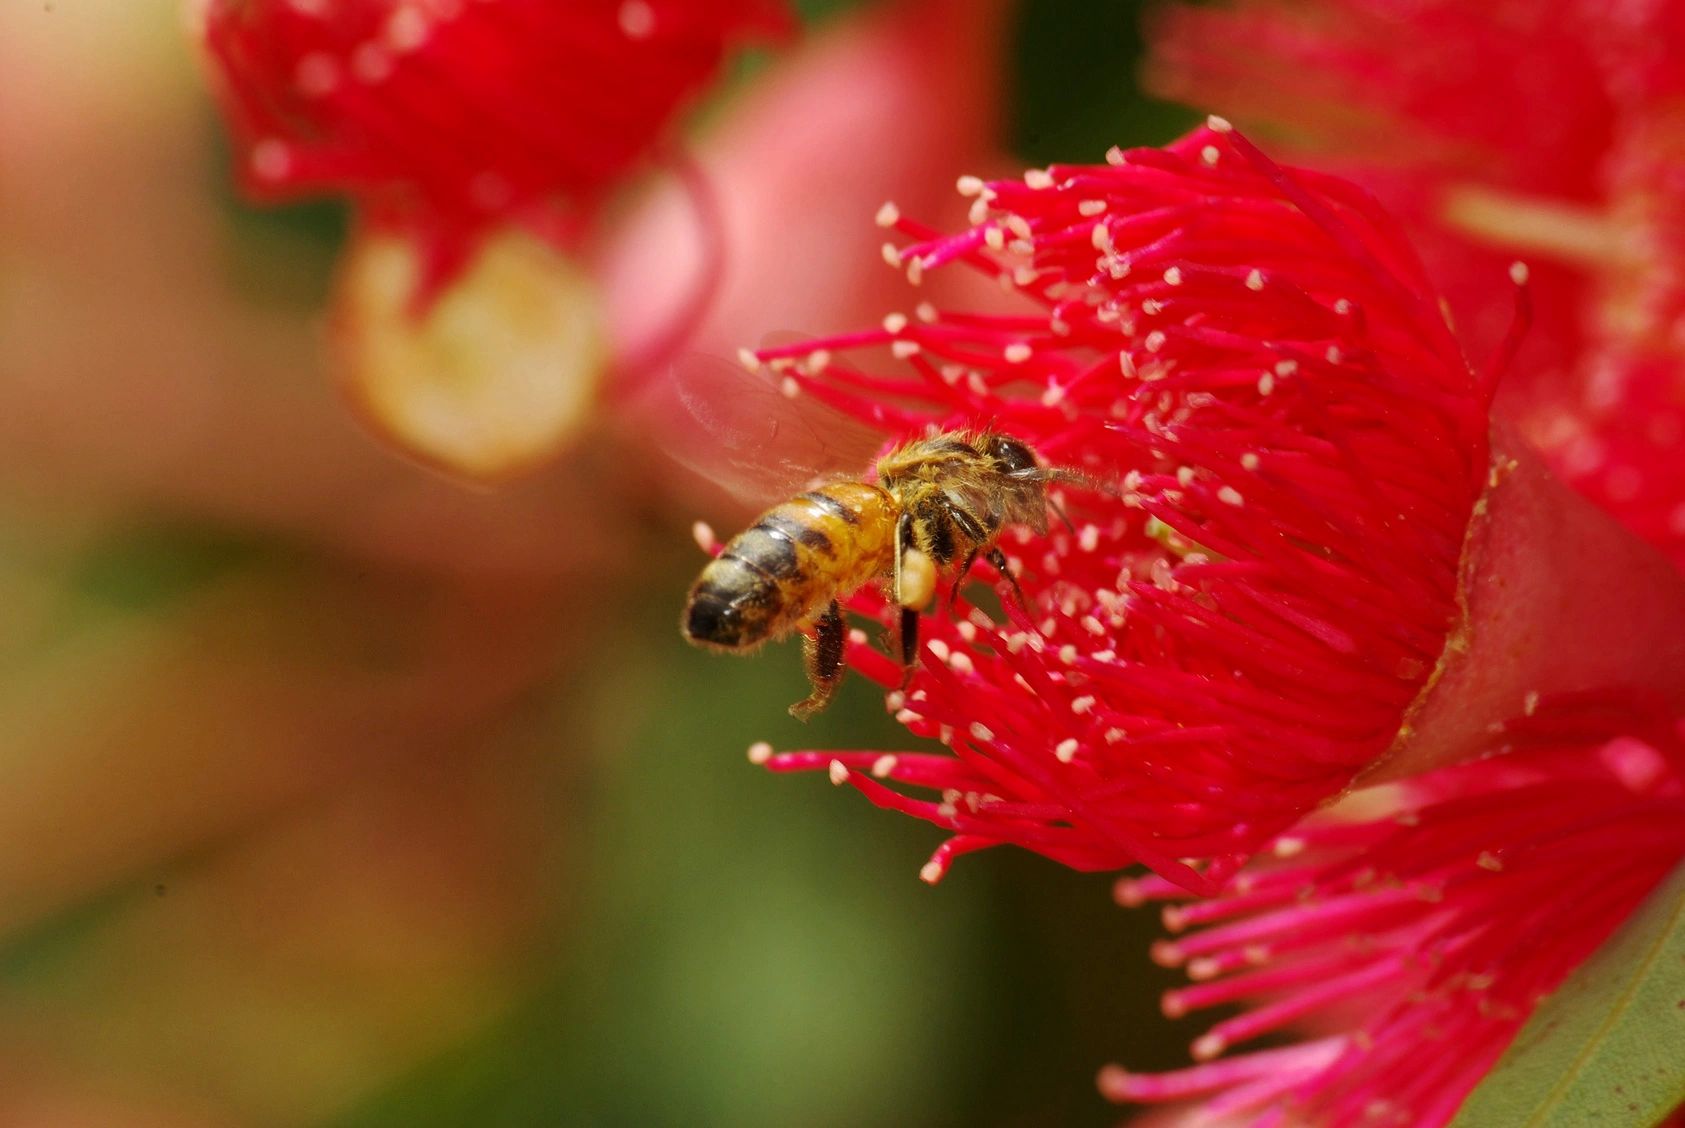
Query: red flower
x=1415, y=934
x=1440, y=108
x=448, y=115
x=1287, y=554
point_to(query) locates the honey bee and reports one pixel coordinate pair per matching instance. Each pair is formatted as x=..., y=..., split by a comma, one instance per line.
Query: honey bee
x=939, y=503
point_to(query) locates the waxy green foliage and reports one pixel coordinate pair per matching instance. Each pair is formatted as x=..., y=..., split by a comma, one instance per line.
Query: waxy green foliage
x=1608, y=1048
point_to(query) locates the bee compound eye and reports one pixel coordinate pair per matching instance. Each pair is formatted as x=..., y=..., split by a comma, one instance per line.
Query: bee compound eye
x=1010, y=453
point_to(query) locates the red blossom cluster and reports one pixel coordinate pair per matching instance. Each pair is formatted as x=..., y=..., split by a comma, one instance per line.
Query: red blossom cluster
x=1308, y=555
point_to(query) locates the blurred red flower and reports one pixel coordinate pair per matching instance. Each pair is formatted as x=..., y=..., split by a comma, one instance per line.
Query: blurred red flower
x=477, y=140
x=448, y=116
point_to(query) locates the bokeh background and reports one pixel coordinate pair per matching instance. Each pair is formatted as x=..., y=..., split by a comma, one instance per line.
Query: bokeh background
x=336, y=793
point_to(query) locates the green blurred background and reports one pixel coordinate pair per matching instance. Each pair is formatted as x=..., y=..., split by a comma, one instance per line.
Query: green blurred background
x=332, y=793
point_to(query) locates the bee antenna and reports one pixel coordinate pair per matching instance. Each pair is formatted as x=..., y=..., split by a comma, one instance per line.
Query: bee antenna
x=1059, y=511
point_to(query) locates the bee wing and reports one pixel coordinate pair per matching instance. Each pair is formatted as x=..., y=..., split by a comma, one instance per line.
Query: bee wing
x=739, y=430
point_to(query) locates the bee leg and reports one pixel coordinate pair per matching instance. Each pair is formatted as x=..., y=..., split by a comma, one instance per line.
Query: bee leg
x=974, y=531
x=998, y=559
x=959, y=578
x=822, y=653
x=903, y=536
x=909, y=644
x=1059, y=511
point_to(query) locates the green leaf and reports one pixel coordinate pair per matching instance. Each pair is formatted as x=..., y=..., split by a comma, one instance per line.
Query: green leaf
x=1609, y=1046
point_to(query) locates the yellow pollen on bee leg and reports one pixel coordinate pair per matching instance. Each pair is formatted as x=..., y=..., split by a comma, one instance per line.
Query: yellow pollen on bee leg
x=918, y=578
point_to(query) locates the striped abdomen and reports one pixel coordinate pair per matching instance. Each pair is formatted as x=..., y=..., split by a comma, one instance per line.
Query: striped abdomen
x=786, y=568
